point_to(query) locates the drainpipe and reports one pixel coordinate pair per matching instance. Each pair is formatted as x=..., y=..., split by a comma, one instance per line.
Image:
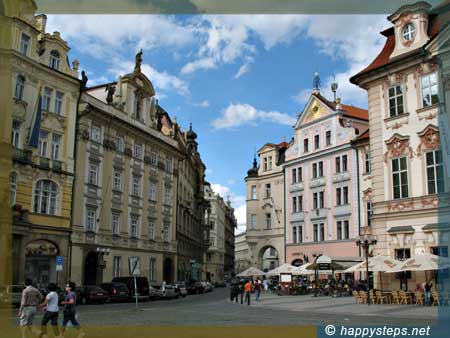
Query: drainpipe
x=359, y=194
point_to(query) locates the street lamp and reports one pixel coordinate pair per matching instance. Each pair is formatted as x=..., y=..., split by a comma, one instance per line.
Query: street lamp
x=365, y=242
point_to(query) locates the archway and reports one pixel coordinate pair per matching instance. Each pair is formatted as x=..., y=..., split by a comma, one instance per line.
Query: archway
x=167, y=270
x=90, y=268
x=268, y=258
x=40, y=262
x=297, y=262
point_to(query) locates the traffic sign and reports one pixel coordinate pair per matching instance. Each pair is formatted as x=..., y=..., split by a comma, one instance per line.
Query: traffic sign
x=134, y=266
x=59, y=263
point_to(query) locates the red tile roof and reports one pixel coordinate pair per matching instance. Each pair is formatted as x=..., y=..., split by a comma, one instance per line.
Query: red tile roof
x=283, y=144
x=350, y=111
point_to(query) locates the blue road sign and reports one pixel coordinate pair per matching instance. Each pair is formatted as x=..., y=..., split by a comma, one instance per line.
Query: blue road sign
x=59, y=260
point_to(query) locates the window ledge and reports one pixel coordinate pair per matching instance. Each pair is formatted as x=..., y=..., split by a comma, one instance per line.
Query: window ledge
x=424, y=109
x=397, y=117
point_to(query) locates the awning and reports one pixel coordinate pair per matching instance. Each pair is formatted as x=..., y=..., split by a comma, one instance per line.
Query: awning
x=401, y=229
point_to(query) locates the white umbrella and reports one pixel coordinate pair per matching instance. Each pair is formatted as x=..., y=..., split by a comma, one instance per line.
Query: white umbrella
x=376, y=264
x=302, y=270
x=422, y=262
x=251, y=272
x=285, y=268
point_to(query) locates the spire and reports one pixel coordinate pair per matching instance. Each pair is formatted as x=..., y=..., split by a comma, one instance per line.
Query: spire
x=316, y=82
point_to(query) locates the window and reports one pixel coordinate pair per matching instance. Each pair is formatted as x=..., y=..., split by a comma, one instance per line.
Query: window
x=294, y=234
x=15, y=134
x=300, y=234
x=211, y=225
x=56, y=146
x=253, y=221
x=396, y=100
x=270, y=162
x=93, y=174
x=117, y=180
x=338, y=196
x=402, y=254
x=346, y=229
x=13, y=188
x=24, y=44
x=253, y=192
x=134, y=227
x=337, y=164
x=409, y=32
x=151, y=230
x=115, y=224
x=305, y=145
x=339, y=230
x=400, y=178
x=116, y=266
x=268, y=221
x=120, y=146
x=322, y=232
x=299, y=174
x=54, y=59
x=315, y=201
x=212, y=241
x=316, y=232
x=43, y=143
x=136, y=186
x=47, y=99
x=328, y=138
x=294, y=204
x=96, y=133
x=154, y=158
x=90, y=219
x=138, y=108
x=435, y=172
x=322, y=199
x=320, y=169
x=59, y=103
x=314, y=170
x=152, y=269
x=273, y=252
x=316, y=142
x=166, y=232
x=369, y=213
x=138, y=151
x=345, y=195
x=429, y=90
x=45, y=197
x=344, y=162
x=20, y=87
x=152, y=191
x=367, y=162
x=265, y=164
x=268, y=190
x=168, y=165
x=300, y=203
x=167, y=196
x=294, y=175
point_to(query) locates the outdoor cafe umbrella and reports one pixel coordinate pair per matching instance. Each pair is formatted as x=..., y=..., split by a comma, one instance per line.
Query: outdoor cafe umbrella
x=285, y=268
x=251, y=272
x=302, y=270
x=422, y=262
x=376, y=264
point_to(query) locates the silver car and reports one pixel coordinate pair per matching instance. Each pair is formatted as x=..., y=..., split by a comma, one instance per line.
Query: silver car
x=180, y=289
x=165, y=291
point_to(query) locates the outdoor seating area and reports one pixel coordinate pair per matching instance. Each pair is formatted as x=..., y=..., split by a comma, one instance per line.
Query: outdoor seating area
x=401, y=297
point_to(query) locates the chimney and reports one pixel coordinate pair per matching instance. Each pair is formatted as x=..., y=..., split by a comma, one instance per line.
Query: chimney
x=41, y=22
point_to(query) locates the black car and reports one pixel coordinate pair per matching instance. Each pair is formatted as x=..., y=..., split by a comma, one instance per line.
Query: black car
x=143, y=287
x=117, y=292
x=91, y=294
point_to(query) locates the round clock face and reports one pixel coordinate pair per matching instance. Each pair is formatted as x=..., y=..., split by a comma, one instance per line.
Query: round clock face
x=409, y=31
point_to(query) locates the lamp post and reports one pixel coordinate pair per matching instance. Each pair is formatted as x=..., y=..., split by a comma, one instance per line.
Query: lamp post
x=364, y=242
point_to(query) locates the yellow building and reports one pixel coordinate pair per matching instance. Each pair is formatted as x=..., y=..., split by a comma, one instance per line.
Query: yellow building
x=126, y=183
x=45, y=90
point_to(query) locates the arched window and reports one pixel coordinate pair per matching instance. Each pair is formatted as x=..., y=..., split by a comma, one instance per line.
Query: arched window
x=20, y=86
x=54, y=59
x=45, y=197
x=13, y=188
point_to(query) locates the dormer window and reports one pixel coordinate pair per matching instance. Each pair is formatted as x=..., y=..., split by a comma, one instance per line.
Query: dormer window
x=54, y=59
x=409, y=31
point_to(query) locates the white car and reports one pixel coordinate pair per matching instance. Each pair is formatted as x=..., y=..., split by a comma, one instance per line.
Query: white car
x=165, y=291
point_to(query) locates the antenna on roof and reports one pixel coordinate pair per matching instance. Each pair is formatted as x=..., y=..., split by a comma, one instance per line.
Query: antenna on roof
x=334, y=87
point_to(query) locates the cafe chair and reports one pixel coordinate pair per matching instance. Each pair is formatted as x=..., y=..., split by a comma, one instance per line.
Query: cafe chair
x=435, y=297
x=405, y=298
x=381, y=299
x=419, y=297
x=357, y=297
x=395, y=297
x=363, y=295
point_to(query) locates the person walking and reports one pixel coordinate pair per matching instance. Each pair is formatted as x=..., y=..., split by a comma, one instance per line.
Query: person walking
x=235, y=291
x=248, y=290
x=241, y=291
x=427, y=292
x=70, y=311
x=51, y=311
x=31, y=298
x=258, y=288
x=266, y=285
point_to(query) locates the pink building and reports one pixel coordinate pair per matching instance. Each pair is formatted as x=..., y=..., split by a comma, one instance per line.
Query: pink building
x=321, y=183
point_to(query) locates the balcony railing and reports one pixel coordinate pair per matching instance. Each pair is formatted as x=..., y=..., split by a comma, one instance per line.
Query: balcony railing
x=56, y=165
x=44, y=163
x=22, y=156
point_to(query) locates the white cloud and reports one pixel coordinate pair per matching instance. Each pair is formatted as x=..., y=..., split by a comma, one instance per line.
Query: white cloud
x=203, y=104
x=236, y=115
x=201, y=64
x=241, y=215
x=237, y=202
x=245, y=68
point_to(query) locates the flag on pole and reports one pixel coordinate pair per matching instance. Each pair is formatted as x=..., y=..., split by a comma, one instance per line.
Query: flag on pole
x=33, y=140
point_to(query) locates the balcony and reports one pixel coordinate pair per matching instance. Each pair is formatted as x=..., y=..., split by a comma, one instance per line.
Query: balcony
x=22, y=156
x=343, y=210
x=56, y=165
x=297, y=217
x=318, y=213
x=317, y=182
x=296, y=187
x=341, y=177
x=44, y=163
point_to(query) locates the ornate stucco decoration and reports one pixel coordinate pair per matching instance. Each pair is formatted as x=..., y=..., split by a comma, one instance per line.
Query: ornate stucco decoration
x=400, y=206
x=367, y=194
x=397, y=145
x=429, y=139
x=432, y=202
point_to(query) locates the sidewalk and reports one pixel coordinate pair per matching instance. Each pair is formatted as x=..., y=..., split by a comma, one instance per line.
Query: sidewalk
x=344, y=306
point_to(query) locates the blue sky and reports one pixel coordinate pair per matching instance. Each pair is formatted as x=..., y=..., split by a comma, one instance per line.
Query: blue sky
x=241, y=80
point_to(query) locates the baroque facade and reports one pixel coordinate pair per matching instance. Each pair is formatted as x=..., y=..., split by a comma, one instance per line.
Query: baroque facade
x=408, y=121
x=45, y=90
x=230, y=226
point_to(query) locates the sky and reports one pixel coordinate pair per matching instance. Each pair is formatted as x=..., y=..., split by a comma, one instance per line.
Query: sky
x=242, y=80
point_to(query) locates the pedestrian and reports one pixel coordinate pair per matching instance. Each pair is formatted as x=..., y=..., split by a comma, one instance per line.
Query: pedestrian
x=70, y=311
x=241, y=291
x=248, y=291
x=266, y=285
x=51, y=311
x=236, y=291
x=427, y=292
x=31, y=298
x=257, y=289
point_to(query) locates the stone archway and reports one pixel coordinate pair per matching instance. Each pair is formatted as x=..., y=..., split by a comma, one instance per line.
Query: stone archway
x=268, y=258
x=40, y=261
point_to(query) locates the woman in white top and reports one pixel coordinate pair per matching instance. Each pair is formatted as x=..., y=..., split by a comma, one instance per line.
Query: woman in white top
x=51, y=311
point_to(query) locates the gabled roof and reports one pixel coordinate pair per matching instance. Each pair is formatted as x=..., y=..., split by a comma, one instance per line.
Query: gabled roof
x=349, y=111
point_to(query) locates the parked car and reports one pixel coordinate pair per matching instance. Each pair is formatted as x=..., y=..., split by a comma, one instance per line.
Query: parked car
x=143, y=288
x=11, y=295
x=165, y=291
x=91, y=294
x=59, y=291
x=117, y=292
x=220, y=284
x=207, y=286
x=180, y=289
x=192, y=288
